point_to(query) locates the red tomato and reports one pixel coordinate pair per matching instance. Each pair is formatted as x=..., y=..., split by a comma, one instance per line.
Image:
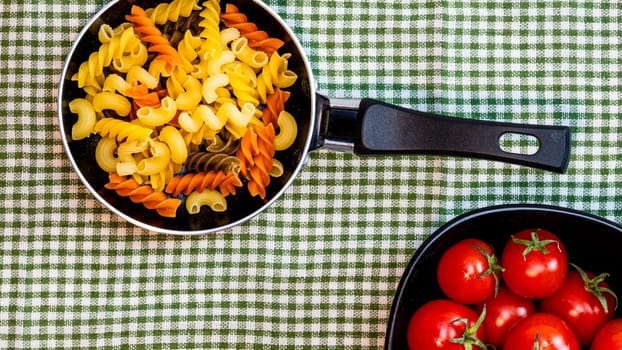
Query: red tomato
x=541, y=331
x=609, y=337
x=584, y=301
x=442, y=324
x=535, y=263
x=468, y=271
x=502, y=312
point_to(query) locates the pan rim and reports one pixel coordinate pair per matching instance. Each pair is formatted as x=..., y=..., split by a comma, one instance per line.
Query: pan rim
x=171, y=231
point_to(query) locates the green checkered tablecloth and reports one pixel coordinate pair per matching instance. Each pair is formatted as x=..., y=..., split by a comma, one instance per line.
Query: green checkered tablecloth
x=319, y=268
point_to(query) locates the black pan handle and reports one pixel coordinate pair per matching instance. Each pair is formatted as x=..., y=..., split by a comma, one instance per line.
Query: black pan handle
x=376, y=127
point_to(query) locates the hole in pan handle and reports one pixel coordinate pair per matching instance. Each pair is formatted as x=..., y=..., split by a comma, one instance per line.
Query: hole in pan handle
x=377, y=127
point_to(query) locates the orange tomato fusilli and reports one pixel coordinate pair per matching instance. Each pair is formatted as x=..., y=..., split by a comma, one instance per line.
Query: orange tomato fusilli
x=256, y=152
x=257, y=39
x=149, y=33
x=275, y=104
x=144, y=194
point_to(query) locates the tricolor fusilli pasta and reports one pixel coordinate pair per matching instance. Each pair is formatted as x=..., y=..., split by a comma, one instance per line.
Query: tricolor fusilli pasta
x=188, y=103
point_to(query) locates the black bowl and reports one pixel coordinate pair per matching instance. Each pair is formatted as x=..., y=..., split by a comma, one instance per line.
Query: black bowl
x=593, y=243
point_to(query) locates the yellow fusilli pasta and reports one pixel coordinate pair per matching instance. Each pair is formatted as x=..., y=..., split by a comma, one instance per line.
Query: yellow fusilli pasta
x=172, y=11
x=115, y=46
x=210, y=23
x=121, y=130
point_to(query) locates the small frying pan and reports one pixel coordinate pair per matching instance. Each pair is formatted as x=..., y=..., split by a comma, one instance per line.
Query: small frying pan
x=365, y=127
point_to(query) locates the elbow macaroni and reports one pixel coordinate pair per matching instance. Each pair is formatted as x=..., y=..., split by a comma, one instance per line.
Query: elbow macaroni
x=85, y=124
x=215, y=66
x=175, y=142
x=114, y=83
x=158, y=116
x=211, y=120
x=211, y=84
x=287, y=131
x=127, y=154
x=191, y=96
x=213, y=199
x=158, y=162
x=277, y=169
x=109, y=100
x=104, y=154
x=237, y=117
x=252, y=57
x=137, y=74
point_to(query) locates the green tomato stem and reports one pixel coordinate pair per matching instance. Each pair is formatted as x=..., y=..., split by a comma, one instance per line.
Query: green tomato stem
x=493, y=266
x=593, y=286
x=535, y=244
x=469, y=337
